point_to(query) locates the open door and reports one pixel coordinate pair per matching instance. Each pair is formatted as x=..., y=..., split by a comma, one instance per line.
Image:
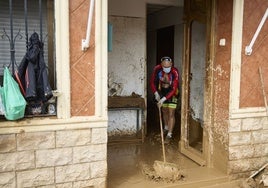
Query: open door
x=196, y=87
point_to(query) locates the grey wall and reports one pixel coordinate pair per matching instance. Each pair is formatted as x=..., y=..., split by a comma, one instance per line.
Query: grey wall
x=126, y=61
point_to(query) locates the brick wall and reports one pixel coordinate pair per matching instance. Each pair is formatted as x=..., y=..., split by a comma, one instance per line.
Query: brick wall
x=248, y=145
x=67, y=158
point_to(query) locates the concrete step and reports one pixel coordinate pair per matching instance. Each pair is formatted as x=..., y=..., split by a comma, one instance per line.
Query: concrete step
x=229, y=184
x=201, y=177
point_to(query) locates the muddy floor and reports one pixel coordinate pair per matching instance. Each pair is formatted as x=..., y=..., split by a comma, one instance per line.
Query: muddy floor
x=130, y=162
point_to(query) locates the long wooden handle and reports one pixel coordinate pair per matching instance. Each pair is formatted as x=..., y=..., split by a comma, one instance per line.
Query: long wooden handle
x=257, y=172
x=162, y=134
x=263, y=92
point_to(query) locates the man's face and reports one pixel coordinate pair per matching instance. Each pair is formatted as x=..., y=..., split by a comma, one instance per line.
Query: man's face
x=166, y=64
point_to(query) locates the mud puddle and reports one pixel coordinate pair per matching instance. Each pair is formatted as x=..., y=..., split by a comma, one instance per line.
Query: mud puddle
x=130, y=162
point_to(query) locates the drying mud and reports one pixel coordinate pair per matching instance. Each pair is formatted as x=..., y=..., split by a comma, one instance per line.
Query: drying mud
x=163, y=171
x=259, y=179
x=131, y=163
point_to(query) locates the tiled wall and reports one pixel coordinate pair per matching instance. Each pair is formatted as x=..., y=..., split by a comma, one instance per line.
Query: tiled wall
x=251, y=89
x=82, y=63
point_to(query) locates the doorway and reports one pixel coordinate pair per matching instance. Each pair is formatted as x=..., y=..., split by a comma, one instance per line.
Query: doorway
x=165, y=42
x=126, y=159
x=164, y=47
x=196, y=100
x=164, y=38
x=194, y=115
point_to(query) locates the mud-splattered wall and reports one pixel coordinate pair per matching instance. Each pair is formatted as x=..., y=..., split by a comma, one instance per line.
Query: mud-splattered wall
x=126, y=68
x=221, y=70
x=126, y=61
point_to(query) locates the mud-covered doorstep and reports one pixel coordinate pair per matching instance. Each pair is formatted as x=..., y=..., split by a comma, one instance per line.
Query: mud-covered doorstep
x=130, y=164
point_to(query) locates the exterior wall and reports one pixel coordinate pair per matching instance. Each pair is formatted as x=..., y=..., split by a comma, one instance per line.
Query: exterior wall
x=251, y=90
x=82, y=64
x=240, y=143
x=248, y=130
x=65, y=151
x=62, y=158
x=248, y=145
x=221, y=83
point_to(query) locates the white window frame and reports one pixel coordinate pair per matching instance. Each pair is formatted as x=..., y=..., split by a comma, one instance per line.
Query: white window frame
x=63, y=58
x=64, y=119
x=234, y=110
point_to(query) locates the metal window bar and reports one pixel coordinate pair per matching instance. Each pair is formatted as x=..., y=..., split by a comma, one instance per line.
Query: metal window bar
x=26, y=22
x=12, y=39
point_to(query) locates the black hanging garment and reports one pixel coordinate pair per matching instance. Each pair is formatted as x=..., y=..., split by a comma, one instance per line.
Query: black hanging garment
x=32, y=73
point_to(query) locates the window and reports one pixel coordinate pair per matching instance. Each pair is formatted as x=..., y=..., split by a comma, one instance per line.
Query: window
x=18, y=21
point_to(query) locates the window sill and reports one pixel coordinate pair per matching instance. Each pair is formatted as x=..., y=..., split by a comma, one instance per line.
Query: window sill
x=248, y=112
x=52, y=123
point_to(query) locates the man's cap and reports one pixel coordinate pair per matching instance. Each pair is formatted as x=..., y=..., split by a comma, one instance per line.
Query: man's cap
x=166, y=58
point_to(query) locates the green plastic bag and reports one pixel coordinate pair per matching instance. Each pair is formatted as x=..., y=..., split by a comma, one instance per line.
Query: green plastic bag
x=13, y=100
x=2, y=108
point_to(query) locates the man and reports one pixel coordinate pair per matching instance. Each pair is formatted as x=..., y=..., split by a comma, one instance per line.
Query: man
x=164, y=83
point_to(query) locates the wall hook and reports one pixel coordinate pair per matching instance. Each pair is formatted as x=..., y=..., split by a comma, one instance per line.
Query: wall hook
x=85, y=42
x=248, y=49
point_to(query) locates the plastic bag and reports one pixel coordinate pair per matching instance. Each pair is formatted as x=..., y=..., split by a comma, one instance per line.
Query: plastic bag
x=14, y=102
x=2, y=108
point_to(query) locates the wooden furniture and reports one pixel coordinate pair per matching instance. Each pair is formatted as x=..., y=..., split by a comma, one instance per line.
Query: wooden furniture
x=130, y=103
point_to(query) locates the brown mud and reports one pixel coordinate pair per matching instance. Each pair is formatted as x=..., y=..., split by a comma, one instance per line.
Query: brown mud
x=130, y=162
